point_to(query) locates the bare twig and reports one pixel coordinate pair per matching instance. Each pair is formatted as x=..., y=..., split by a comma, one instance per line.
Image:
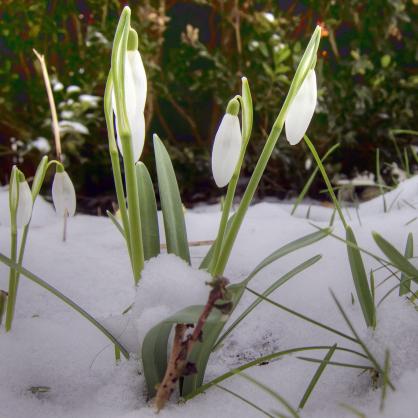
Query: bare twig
x=55, y=127
x=178, y=364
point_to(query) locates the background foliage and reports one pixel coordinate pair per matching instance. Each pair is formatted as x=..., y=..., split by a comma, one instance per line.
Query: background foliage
x=195, y=53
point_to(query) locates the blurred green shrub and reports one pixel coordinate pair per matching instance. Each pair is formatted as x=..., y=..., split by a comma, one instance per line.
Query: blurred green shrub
x=195, y=53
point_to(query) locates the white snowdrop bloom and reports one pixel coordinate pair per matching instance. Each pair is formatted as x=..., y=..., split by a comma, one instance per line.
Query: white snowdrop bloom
x=226, y=149
x=25, y=204
x=63, y=194
x=301, y=109
x=135, y=95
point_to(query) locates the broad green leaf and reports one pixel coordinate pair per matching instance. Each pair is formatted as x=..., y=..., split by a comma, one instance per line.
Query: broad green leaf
x=317, y=376
x=202, y=350
x=66, y=300
x=155, y=344
x=405, y=286
x=172, y=208
x=148, y=210
x=271, y=289
x=396, y=258
x=361, y=284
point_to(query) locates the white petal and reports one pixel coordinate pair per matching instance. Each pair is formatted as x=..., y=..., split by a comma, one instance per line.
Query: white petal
x=138, y=136
x=24, y=207
x=226, y=149
x=134, y=61
x=301, y=109
x=63, y=194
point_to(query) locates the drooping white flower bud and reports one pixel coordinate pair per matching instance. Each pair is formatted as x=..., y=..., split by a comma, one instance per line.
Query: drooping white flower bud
x=301, y=109
x=227, y=145
x=135, y=82
x=63, y=194
x=20, y=199
x=25, y=205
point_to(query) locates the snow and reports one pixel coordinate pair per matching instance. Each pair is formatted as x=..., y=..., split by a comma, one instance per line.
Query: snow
x=52, y=346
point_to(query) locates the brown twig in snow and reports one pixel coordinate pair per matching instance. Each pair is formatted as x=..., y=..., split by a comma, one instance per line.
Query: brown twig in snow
x=178, y=364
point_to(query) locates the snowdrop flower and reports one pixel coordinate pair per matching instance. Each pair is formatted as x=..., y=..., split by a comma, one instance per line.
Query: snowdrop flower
x=63, y=194
x=227, y=145
x=21, y=201
x=301, y=109
x=135, y=81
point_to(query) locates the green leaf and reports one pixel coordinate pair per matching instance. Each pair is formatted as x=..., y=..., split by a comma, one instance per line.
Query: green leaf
x=155, y=344
x=247, y=111
x=66, y=300
x=396, y=258
x=148, y=210
x=39, y=177
x=289, y=248
x=361, y=284
x=271, y=289
x=172, y=208
x=405, y=286
x=115, y=222
x=317, y=376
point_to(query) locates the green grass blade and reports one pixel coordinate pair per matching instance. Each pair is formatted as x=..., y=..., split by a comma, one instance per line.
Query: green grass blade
x=380, y=180
x=359, y=275
x=272, y=288
x=405, y=286
x=39, y=177
x=247, y=111
x=335, y=363
x=385, y=380
x=361, y=342
x=308, y=184
x=172, y=208
x=396, y=258
x=264, y=359
x=316, y=376
x=271, y=392
x=148, y=210
x=155, y=344
x=304, y=317
x=289, y=248
x=245, y=400
x=66, y=300
x=115, y=222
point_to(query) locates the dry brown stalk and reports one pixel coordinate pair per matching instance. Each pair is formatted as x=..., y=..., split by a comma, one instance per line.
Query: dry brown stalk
x=178, y=365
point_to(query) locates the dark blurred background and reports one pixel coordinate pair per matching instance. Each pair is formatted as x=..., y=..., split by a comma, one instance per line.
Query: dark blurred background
x=195, y=53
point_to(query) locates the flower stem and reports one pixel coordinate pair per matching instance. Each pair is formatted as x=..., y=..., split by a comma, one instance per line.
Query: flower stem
x=11, y=299
x=326, y=179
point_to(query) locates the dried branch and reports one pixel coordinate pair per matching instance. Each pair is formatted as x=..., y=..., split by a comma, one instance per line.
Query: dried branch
x=178, y=365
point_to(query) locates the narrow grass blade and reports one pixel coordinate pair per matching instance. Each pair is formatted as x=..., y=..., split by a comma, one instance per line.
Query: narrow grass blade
x=335, y=363
x=247, y=111
x=66, y=300
x=363, y=345
x=385, y=380
x=115, y=222
x=155, y=344
x=405, y=286
x=289, y=248
x=271, y=392
x=245, y=400
x=396, y=258
x=308, y=184
x=359, y=275
x=272, y=288
x=264, y=359
x=299, y=315
x=39, y=177
x=380, y=180
x=148, y=210
x=172, y=208
x=316, y=376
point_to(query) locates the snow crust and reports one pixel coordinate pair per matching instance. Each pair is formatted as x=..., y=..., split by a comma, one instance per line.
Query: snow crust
x=51, y=345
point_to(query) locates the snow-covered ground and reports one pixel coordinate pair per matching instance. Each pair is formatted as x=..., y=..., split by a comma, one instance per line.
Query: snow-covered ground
x=51, y=345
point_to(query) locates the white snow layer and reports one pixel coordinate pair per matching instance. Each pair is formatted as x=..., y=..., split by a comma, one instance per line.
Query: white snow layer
x=52, y=346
